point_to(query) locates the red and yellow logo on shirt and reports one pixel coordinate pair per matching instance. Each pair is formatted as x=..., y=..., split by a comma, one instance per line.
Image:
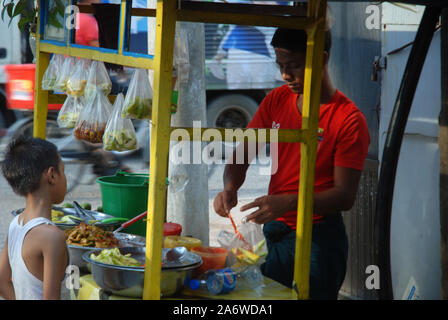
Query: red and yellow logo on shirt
x=320, y=134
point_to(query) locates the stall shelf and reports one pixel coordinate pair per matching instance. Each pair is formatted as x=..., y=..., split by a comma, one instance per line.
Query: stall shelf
x=167, y=13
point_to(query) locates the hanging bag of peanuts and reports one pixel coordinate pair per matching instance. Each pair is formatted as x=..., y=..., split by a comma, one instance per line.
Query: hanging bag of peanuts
x=69, y=113
x=97, y=78
x=93, y=119
x=120, y=132
x=138, y=102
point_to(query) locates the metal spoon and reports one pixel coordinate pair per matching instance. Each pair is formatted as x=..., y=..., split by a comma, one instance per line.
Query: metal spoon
x=174, y=255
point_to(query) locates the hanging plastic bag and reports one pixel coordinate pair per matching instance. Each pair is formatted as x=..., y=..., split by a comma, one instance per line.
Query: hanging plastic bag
x=78, y=78
x=138, y=102
x=97, y=78
x=93, y=119
x=51, y=74
x=246, y=253
x=120, y=133
x=250, y=249
x=64, y=74
x=69, y=113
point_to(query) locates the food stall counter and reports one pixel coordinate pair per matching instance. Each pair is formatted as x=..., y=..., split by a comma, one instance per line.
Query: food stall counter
x=271, y=290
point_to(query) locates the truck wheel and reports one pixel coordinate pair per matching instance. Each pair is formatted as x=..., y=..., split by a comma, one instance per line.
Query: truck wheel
x=231, y=111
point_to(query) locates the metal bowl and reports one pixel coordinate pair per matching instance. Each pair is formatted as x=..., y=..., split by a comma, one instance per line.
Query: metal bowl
x=124, y=240
x=128, y=281
x=71, y=211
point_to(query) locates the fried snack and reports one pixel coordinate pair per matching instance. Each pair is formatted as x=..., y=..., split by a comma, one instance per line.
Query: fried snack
x=90, y=236
x=91, y=132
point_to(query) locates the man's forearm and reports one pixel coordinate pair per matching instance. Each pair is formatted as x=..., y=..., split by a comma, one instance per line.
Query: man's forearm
x=325, y=203
x=235, y=171
x=332, y=201
x=234, y=176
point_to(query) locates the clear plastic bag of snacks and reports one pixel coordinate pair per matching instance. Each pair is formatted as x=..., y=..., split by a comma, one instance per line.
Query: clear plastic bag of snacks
x=64, y=74
x=248, y=247
x=93, y=119
x=51, y=74
x=77, y=81
x=138, y=102
x=69, y=113
x=120, y=133
x=97, y=78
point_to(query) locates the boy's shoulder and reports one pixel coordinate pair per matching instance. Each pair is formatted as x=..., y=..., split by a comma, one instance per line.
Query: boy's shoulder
x=47, y=235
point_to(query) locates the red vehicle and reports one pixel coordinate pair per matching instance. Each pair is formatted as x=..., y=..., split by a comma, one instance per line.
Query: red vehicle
x=20, y=87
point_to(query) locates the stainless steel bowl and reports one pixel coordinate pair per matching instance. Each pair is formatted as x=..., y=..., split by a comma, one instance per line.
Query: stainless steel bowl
x=128, y=281
x=124, y=240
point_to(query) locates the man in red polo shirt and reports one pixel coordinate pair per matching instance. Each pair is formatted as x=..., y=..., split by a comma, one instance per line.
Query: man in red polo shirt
x=343, y=141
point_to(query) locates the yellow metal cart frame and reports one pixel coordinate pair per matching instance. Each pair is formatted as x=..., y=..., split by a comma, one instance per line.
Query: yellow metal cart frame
x=167, y=13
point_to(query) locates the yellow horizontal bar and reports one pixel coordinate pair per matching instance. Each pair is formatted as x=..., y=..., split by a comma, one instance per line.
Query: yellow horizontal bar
x=303, y=23
x=129, y=61
x=235, y=18
x=60, y=98
x=230, y=135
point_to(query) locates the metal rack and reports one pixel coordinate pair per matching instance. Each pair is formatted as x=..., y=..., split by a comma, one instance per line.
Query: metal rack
x=166, y=14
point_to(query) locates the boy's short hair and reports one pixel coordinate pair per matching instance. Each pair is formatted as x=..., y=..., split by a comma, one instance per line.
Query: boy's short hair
x=295, y=40
x=25, y=161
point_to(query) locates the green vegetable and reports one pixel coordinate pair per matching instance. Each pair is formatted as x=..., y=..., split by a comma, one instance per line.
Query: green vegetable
x=259, y=246
x=69, y=119
x=49, y=83
x=120, y=140
x=137, y=108
x=86, y=206
x=67, y=205
x=100, y=209
x=90, y=89
x=113, y=256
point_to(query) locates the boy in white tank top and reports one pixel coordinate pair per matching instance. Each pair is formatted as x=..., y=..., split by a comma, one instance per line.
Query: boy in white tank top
x=35, y=257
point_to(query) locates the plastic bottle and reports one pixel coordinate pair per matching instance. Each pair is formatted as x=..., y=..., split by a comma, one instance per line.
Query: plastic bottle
x=215, y=281
x=249, y=278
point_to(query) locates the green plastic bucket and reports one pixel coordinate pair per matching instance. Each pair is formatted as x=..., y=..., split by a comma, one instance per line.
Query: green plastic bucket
x=125, y=195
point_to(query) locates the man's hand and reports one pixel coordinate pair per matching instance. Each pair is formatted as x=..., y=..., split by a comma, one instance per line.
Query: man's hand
x=225, y=201
x=270, y=207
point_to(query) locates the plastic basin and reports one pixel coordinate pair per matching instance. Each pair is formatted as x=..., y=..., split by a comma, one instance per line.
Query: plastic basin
x=126, y=196
x=212, y=258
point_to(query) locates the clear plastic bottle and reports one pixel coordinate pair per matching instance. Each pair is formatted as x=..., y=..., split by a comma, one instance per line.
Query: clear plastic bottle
x=215, y=281
x=249, y=278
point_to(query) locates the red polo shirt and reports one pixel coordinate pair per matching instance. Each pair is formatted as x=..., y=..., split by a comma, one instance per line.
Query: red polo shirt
x=343, y=142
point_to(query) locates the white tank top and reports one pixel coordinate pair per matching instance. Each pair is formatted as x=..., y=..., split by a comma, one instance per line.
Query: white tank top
x=26, y=285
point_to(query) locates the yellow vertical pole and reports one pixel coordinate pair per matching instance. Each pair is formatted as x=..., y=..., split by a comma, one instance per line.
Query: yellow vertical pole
x=121, y=34
x=160, y=142
x=40, y=96
x=310, y=123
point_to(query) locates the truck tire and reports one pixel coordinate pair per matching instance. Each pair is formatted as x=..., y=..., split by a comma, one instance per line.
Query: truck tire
x=231, y=111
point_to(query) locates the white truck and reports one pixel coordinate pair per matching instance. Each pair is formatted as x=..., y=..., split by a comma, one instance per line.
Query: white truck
x=13, y=50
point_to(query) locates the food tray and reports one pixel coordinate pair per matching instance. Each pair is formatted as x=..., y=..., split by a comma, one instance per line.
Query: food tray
x=71, y=211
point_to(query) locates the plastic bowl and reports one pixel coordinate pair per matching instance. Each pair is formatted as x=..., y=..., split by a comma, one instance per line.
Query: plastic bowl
x=212, y=258
x=181, y=241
